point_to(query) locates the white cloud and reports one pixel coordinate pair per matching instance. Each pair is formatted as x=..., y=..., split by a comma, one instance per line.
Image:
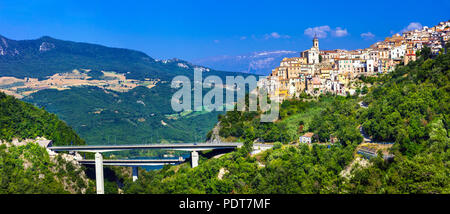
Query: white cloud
x=339, y=32
x=243, y=38
x=322, y=31
x=367, y=35
x=412, y=26
x=275, y=35
x=261, y=63
x=265, y=53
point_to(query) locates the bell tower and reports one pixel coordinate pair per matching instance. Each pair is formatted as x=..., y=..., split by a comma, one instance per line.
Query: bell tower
x=316, y=42
x=313, y=53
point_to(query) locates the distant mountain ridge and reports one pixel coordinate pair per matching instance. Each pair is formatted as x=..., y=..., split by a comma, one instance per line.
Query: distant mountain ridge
x=96, y=113
x=259, y=63
x=46, y=56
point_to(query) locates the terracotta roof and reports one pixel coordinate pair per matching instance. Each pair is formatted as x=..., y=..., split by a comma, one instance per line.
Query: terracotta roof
x=309, y=134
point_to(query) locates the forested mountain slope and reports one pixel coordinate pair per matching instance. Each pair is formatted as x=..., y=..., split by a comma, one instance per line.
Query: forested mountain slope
x=26, y=166
x=139, y=116
x=25, y=121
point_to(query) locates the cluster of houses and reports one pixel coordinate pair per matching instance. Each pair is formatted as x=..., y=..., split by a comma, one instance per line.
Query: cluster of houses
x=318, y=71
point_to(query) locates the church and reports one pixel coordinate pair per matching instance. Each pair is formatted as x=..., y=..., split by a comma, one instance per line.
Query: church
x=313, y=53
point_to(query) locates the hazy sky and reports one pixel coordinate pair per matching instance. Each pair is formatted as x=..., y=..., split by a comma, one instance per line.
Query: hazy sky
x=197, y=29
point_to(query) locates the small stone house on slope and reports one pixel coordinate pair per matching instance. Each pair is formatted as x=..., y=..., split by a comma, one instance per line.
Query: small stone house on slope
x=306, y=138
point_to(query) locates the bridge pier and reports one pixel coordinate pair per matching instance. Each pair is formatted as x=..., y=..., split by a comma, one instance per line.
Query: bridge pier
x=135, y=173
x=99, y=173
x=194, y=159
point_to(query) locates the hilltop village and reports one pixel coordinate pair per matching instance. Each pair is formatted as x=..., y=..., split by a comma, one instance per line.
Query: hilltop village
x=338, y=71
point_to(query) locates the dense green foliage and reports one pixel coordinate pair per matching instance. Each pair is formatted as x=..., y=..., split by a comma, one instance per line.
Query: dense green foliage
x=28, y=169
x=25, y=121
x=287, y=170
x=339, y=120
x=411, y=109
x=246, y=125
x=425, y=173
x=411, y=99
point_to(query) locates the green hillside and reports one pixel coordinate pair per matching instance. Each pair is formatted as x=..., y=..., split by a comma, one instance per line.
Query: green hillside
x=246, y=125
x=27, y=168
x=141, y=115
x=408, y=106
x=25, y=121
x=409, y=103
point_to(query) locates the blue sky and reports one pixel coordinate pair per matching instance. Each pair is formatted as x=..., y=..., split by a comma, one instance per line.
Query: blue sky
x=198, y=29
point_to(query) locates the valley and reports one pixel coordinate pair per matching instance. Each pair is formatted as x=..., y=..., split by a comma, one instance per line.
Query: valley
x=139, y=116
x=108, y=95
x=21, y=88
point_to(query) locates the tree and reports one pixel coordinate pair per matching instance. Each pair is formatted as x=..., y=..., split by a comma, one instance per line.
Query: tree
x=425, y=53
x=365, y=90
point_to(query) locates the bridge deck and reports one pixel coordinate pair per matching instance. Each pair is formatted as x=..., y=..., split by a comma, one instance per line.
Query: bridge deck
x=178, y=146
x=140, y=162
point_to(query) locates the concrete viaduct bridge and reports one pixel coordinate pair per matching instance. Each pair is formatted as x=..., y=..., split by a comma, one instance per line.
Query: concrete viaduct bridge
x=99, y=162
x=133, y=163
